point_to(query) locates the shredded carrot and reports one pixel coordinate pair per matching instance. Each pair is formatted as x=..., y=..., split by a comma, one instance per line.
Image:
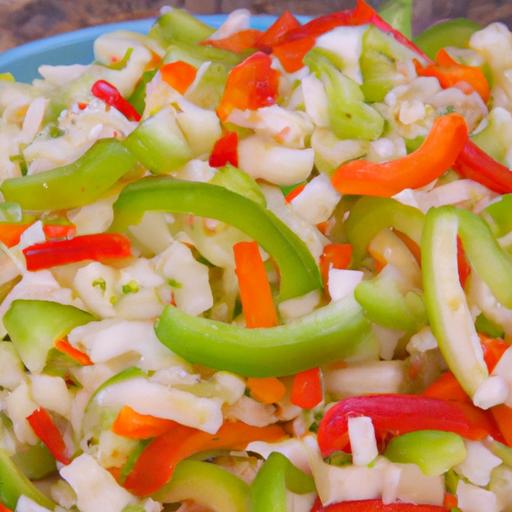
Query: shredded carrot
x=255, y=292
x=179, y=75
x=267, y=390
x=131, y=424
x=75, y=354
x=335, y=256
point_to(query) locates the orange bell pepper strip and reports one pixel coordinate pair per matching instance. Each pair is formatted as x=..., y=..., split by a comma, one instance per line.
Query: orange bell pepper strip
x=77, y=355
x=294, y=192
x=59, y=230
x=250, y=85
x=267, y=390
x=255, y=293
x=447, y=387
x=335, y=256
x=374, y=506
x=277, y=31
x=433, y=158
x=502, y=415
x=46, y=430
x=131, y=424
x=10, y=234
x=450, y=73
x=307, y=390
x=493, y=350
x=238, y=42
x=291, y=53
x=179, y=75
x=157, y=462
x=225, y=151
x=3, y=508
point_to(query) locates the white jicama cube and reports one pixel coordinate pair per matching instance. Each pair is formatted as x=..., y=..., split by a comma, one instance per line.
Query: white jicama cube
x=479, y=463
x=362, y=440
x=475, y=499
x=342, y=283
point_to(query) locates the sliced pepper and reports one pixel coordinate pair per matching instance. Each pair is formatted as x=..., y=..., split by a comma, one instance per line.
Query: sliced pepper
x=239, y=182
x=307, y=389
x=77, y=355
x=267, y=390
x=225, y=151
x=400, y=414
x=179, y=75
x=251, y=84
x=298, y=270
x=435, y=156
x=108, y=93
x=375, y=506
x=239, y=42
x=329, y=333
x=335, y=256
x=275, y=477
x=35, y=462
x=196, y=55
x=77, y=184
x=277, y=31
x=98, y=247
x=205, y=484
x=158, y=460
x=138, y=96
x=131, y=424
x=398, y=13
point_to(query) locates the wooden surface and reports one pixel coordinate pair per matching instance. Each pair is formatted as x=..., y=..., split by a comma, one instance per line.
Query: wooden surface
x=24, y=20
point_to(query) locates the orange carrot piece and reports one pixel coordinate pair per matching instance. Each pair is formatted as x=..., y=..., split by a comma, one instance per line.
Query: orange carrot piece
x=131, y=424
x=336, y=256
x=307, y=389
x=179, y=75
x=267, y=390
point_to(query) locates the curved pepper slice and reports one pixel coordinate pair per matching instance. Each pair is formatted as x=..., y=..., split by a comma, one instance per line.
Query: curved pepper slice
x=374, y=506
x=205, y=484
x=277, y=31
x=109, y=93
x=238, y=42
x=298, y=270
x=268, y=490
x=76, y=184
x=307, y=389
x=98, y=247
x=179, y=75
x=400, y=414
x=157, y=462
x=251, y=84
x=398, y=13
x=433, y=158
x=225, y=151
x=330, y=333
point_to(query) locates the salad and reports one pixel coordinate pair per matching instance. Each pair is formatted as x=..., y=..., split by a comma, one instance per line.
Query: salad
x=260, y=271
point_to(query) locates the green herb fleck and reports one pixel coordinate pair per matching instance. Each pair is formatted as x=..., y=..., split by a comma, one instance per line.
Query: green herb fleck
x=131, y=287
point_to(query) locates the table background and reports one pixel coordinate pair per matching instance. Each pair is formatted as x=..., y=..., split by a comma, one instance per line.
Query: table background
x=25, y=20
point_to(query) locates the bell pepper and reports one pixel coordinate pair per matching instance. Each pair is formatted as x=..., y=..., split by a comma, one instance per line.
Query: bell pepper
x=307, y=389
x=98, y=247
x=502, y=415
x=35, y=462
x=329, y=333
x=267, y=390
x=44, y=427
x=239, y=42
x=15, y=484
x=335, y=256
x=179, y=75
x=179, y=25
x=255, y=292
x=131, y=424
x=80, y=357
x=450, y=73
x=138, y=96
x=250, y=85
x=49, y=322
x=447, y=308
x=205, y=484
x=447, y=387
x=239, y=182
x=375, y=506
x=298, y=271
x=435, y=156
x=159, y=144
x=499, y=215
x=10, y=212
x=225, y=151
x=494, y=137
x=108, y=93
x=434, y=451
x=401, y=414
x=210, y=86
x=275, y=477
x=77, y=184
x=196, y=55
x=157, y=462
x=349, y=115
x=456, y=32
x=10, y=233
x=493, y=351
x=370, y=215
x=398, y=13
x=277, y=31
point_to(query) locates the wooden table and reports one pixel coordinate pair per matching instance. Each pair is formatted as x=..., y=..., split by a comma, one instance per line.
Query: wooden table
x=24, y=20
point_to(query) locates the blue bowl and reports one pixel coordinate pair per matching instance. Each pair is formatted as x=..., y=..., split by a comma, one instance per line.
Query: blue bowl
x=76, y=47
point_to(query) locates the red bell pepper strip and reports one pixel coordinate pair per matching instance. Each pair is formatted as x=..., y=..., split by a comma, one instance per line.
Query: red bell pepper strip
x=335, y=256
x=447, y=387
x=374, y=506
x=493, y=350
x=277, y=31
x=433, y=158
x=502, y=415
x=255, y=293
x=98, y=247
x=3, y=508
x=179, y=75
x=131, y=424
x=109, y=93
x=46, y=430
x=238, y=42
x=156, y=464
x=399, y=414
x=291, y=53
x=77, y=355
x=225, y=151
x=250, y=85
x=307, y=390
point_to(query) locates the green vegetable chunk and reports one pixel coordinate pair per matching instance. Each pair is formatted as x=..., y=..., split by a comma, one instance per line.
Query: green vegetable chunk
x=398, y=13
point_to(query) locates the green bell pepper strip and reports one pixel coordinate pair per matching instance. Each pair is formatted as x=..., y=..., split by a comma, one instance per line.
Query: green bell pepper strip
x=35, y=325
x=298, y=270
x=206, y=484
x=36, y=462
x=73, y=185
x=398, y=13
x=196, y=55
x=240, y=182
x=499, y=215
x=207, y=91
x=138, y=96
x=330, y=333
x=494, y=139
x=501, y=450
x=434, y=451
x=370, y=215
x=456, y=32
x=159, y=144
x=13, y=484
x=349, y=116
x=10, y=212
x=268, y=490
x=485, y=326
x=179, y=25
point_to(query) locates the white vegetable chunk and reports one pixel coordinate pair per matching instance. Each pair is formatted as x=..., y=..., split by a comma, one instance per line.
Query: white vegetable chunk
x=362, y=440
